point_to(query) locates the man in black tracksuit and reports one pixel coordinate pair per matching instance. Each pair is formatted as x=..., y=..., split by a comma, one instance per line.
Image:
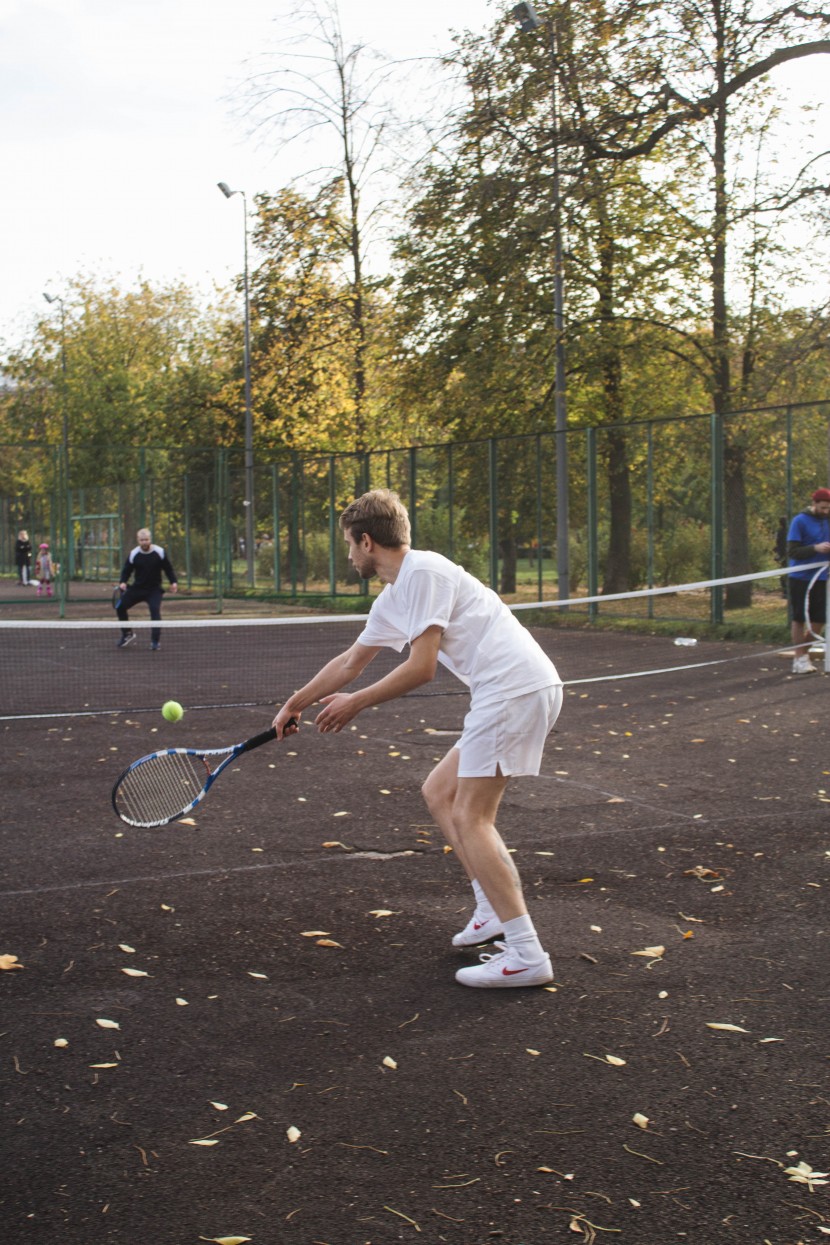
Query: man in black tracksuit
x=145, y=565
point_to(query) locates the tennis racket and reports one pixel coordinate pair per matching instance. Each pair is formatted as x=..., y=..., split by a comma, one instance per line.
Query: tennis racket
x=168, y=784
x=116, y=597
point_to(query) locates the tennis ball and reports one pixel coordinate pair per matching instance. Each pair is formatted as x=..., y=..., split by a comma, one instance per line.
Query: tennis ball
x=171, y=710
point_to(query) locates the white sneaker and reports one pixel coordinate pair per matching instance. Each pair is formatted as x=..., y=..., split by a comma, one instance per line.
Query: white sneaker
x=803, y=665
x=478, y=930
x=505, y=968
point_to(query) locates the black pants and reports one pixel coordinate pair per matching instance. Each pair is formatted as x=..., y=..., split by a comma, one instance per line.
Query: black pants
x=153, y=598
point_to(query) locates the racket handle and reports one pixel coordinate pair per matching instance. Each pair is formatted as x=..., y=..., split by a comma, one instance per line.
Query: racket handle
x=265, y=737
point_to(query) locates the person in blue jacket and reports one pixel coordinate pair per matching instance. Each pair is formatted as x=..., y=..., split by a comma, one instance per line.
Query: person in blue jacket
x=144, y=565
x=808, y=541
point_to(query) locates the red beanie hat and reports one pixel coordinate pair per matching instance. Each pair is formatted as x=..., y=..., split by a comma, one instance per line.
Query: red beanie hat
x=821, y=494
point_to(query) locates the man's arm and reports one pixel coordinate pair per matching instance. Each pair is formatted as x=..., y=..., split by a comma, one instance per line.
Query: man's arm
x=167, y=567
x=337, y=673
x=126, y=572
x=419, y=668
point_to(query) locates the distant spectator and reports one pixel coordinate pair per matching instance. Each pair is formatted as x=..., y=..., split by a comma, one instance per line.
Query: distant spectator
x=808, y=541
x=23, y=557
x=44, y=570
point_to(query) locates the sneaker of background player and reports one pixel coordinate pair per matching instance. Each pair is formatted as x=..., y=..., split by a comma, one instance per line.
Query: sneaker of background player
x=506, y=968
x=126, y=639
x=478, y=929
x=803, y=665
x=154, y=646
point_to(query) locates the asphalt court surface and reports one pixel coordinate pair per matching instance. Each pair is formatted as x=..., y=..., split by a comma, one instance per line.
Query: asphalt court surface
x=299, y=936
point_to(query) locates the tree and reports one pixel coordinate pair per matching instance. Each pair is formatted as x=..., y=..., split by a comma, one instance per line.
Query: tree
x=327, y=94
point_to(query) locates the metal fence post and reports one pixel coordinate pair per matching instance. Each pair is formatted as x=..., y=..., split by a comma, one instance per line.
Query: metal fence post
x=716, y=434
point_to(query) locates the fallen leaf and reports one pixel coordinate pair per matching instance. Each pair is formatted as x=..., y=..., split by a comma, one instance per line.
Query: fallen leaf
x=382, y=912
x=804, y=1174
x=249, y=1115
x=108, y=1024
x=314, y=933
x=389, y=1062
x=342, y=813
x=204, y=1141
x=701, y=871
x=652, y=953
x=710, y=1024
x=60, y=1042
x=182, y=1002
x=9, y=961
x=123, y=946
x=226, y=1240
x=293, y=1134
x=260, y=976
x=220, y=1106
x=640, y=1120
x=328, y=942
x=531, y=1051
x=336, y=843
x=103, y=1065
x=187, y=821
x=135, y=972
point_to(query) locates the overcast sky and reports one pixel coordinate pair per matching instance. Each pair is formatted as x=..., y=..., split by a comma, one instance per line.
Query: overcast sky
x=116, y=127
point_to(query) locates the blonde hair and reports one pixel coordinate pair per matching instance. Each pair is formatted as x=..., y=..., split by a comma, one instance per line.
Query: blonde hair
x=381, y=514
x=144, y=531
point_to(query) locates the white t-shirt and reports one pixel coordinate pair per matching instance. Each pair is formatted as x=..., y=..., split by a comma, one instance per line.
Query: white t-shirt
x=483, y=643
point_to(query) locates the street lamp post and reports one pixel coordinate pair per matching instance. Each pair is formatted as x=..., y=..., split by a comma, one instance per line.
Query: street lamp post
x=250, y=550
x=66, y=519
x=528, y=20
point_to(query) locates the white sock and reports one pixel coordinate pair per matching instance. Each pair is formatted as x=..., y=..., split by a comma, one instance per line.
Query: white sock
x=521, y=937
x=484, y=909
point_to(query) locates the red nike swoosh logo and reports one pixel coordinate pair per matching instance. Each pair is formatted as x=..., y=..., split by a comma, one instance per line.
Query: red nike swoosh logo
x=476, y=924
x=511, y=972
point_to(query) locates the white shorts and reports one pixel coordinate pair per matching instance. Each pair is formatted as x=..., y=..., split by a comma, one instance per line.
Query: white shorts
x=508, y=737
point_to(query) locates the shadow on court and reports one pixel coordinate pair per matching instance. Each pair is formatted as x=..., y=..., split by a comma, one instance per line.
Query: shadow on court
x=190, y=995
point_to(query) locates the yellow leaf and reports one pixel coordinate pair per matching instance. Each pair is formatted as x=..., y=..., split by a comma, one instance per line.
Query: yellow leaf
x=187, y=821
x=60, y=1042
x=261, y=976
x=182, y=1002
x=615, y=1060
x=328, y=942
x=581, y=880
x=342, y=813
x=108, y=1024
x=204, y=1141
x=726, y=1028
x=9, y=961
x=335, y=843
x=640, y=1120
x=123, y=946
x=103, y=1065
x=389, y=1062
x=220, y=1106
x=314, y=933
x=652, y=953
x=249, y=1115
x=293, y=1134
x=531, y=1051
x=226, y=1240
x=135, y=972
x=382, y=912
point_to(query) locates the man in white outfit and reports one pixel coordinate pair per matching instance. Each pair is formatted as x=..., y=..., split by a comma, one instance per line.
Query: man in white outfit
x=446, y=615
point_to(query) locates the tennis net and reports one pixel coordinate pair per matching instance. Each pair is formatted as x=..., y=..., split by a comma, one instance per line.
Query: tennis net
x=75, y=667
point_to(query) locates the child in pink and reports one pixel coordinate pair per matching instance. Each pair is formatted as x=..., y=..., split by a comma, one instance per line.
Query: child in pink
x=44, y=570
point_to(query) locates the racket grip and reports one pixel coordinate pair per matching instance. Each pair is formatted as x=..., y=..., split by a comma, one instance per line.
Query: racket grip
x=256, y=741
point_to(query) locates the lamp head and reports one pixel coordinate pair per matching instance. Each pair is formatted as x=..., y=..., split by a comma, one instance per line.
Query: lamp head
x=51, y=298
x=526, y=17
x=226, y=190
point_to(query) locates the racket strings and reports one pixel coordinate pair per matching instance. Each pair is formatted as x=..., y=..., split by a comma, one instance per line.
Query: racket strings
x=161, y=788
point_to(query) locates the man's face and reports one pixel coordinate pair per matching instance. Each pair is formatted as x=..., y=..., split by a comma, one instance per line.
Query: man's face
x=145, y=540
x=822, y=508
x=360, y=558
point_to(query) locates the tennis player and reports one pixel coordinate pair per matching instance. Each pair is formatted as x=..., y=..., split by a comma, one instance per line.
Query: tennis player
x=808, y=540
x=144, y=565
x=446, y=615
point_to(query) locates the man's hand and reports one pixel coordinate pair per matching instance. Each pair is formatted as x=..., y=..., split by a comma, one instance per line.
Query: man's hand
x=339, y=710
x=174, y=587
x=283, y=723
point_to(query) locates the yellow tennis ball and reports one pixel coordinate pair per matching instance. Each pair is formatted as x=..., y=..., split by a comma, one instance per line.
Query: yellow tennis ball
x=171, y=710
